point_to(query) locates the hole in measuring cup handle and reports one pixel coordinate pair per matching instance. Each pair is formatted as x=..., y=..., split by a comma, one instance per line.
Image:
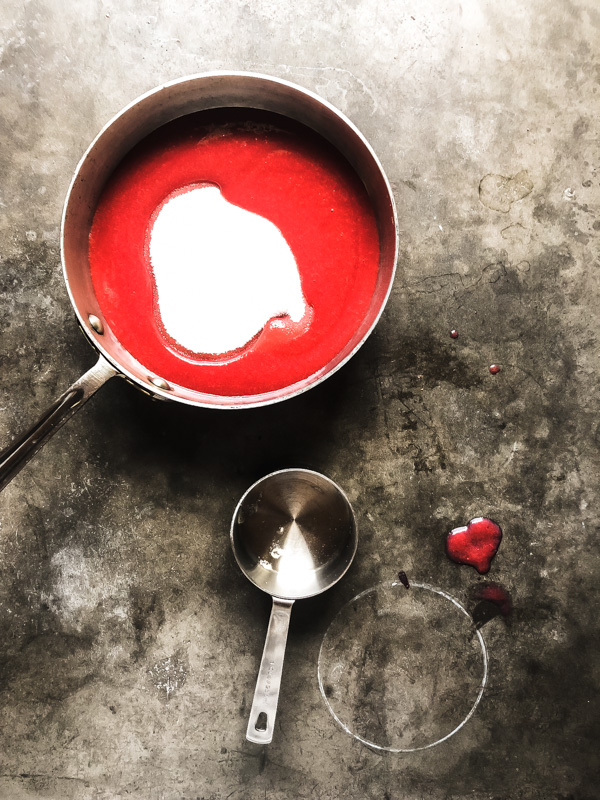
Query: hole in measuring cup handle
x=261, y=722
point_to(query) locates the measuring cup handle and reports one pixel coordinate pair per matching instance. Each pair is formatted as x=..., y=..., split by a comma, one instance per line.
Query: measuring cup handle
x=17, y=454
x=266, y=695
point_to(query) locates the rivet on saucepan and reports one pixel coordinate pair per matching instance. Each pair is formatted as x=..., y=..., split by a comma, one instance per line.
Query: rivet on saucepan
x=96, y=323
x=160, y=383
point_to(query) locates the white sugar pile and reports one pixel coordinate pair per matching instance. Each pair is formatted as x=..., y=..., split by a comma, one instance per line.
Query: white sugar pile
x=221, y=272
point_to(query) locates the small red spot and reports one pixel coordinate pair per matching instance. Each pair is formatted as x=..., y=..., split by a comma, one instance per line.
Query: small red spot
x=454, y=334
x=495, y=369
x=496, y=594
x=403, y=579
x=476, y=544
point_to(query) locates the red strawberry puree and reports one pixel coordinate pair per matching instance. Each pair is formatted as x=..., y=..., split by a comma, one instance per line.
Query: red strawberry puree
x=270, y=166
x=475, y=544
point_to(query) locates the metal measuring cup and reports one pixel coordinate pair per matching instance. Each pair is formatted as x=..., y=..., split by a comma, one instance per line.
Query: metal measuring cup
x=293, y=535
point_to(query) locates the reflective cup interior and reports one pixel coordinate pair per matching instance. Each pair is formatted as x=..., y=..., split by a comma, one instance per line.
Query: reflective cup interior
x=294, y=533
x=187, y=96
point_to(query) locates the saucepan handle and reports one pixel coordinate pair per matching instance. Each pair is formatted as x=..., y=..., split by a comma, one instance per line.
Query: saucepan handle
x=266, y=695
x=16, y=455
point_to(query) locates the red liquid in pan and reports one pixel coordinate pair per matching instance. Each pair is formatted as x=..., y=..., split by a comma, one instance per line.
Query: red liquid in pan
x=267, y=165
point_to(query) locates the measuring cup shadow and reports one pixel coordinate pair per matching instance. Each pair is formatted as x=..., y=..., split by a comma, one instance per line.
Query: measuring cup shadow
x=294, y=536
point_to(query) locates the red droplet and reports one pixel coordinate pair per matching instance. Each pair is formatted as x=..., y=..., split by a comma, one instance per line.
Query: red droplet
x=475, y=544
x=495, y=369
x=496, y=594
x=454, y=334
x=403, y=579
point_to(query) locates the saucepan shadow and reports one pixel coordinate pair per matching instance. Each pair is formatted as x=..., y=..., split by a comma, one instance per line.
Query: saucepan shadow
x=309, y=430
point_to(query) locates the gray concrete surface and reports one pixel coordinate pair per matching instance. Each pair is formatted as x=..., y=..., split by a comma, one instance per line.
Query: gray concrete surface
x=129, y=640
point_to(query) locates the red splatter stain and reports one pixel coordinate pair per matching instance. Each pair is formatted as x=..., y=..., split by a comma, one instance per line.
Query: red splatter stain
x=476, y=544
x=402, y=577
x=496, y=594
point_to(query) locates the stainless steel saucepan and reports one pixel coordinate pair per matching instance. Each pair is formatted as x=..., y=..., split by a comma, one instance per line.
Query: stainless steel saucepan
x=150, y=111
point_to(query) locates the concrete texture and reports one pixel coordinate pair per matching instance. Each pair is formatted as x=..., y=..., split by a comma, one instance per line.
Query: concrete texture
x=129, y=639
